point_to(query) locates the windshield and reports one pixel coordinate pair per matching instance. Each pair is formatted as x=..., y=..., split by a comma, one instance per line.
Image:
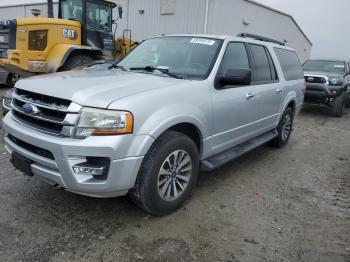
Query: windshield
x=325, y=66
x=72, y=9
x=187, y=57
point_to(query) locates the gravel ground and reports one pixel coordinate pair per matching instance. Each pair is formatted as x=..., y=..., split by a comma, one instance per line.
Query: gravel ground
x=291, y=204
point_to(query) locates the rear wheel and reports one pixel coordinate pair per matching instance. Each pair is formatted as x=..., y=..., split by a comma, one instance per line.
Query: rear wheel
x=284, y=129
x=12, y=79
x=338, y=105
x=76, y=62
x=167, y=175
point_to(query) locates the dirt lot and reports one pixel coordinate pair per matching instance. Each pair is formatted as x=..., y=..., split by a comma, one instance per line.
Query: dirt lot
x=270, y=205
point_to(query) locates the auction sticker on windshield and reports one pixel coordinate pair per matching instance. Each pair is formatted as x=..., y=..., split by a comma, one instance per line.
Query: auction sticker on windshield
x=202, y=41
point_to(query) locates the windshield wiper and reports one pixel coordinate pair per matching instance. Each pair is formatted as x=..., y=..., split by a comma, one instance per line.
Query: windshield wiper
x=116, y=66
x=160, y=69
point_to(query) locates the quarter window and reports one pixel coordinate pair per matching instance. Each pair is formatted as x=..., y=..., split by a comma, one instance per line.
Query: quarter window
x=264, y=69
x=290, y=64
x=235, y=57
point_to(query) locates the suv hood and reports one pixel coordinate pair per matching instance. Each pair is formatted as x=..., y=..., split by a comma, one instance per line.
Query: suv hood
x=95, y=87
x=327, y=74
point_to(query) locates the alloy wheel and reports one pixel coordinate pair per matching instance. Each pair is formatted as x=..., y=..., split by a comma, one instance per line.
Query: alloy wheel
x=286, y=127
x=174, y=175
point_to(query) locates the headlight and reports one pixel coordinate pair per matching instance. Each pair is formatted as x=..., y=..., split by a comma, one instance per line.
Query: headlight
x=334, y=81
x=37, y=40
x=99, y=122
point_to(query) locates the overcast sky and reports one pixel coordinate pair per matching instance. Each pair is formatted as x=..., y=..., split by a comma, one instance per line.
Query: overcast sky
x=325, y=22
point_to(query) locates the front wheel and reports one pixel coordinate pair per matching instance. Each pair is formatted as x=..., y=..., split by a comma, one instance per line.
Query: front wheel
x=284, y=129
x=167, y=175
x=12, y=79
x=338, y=105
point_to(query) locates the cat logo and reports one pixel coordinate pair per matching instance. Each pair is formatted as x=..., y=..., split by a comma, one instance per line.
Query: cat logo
x=70, y=33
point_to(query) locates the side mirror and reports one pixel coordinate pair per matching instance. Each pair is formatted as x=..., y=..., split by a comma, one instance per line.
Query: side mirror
x=120, y=12
x=235, y=77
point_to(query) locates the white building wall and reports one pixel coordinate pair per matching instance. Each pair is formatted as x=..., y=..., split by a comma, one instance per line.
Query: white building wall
x=224, y=17
x=228, y=16
x=24, y=11
x=188, y=17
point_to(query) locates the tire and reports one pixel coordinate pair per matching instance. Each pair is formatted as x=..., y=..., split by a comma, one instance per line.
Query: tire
x=147, y=192
x=11, y=80
x=284, y=129
x=348, y=100
x=338, y=105
x=76, y=62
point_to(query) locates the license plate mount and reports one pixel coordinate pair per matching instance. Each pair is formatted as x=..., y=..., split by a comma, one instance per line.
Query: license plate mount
x=21, y=163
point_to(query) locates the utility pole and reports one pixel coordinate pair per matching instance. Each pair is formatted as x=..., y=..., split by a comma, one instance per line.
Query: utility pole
x=50, y=9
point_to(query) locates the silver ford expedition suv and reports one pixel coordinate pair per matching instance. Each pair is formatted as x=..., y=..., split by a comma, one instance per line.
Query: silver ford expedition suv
x=147, y=125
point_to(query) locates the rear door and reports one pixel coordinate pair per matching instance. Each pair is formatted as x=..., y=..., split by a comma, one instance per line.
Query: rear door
x=266, y=89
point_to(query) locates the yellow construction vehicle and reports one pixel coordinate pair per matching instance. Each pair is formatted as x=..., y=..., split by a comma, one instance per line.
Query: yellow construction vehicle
x=81, y=34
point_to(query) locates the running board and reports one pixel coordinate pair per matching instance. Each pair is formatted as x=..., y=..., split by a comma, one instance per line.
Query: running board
x=235, y=152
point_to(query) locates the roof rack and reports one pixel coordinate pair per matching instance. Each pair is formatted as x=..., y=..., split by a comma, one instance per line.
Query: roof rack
x=260, y=38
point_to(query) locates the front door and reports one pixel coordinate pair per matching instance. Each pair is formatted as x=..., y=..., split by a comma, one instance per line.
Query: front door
x=243, y=112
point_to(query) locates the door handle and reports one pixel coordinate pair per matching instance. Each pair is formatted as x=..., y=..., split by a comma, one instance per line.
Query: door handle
x=249, y=96
x=279, y=91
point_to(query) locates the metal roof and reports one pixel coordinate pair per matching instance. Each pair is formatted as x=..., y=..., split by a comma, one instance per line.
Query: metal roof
x=282, y=13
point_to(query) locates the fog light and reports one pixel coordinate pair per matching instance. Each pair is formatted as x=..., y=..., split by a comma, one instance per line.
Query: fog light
x=89, y=169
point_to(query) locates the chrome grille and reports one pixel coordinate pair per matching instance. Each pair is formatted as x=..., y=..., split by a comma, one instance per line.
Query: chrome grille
x=52, y=115
x=316, y=79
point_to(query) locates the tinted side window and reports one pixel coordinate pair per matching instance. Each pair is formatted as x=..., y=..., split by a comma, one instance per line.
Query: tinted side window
x=235, y=57
x=290, y=64
x=263, y=72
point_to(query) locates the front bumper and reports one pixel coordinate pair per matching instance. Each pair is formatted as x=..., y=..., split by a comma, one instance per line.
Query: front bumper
x=321, y=92
x=124, y=153
x=19, y=65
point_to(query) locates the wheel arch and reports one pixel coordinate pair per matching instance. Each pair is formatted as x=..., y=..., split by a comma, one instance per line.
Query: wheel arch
x=191, y=130
x=62, y=52
x=289, y=102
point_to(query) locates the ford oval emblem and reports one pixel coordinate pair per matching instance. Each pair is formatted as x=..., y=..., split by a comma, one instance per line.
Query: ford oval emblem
x=30, y=109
